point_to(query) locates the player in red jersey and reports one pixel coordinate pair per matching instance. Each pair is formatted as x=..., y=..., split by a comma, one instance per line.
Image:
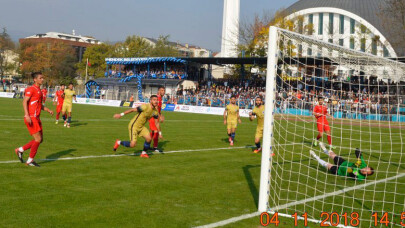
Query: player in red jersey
x=154, y=132
x=58, y=101
x=44, y=93
x=320, y=113
x=32, y=104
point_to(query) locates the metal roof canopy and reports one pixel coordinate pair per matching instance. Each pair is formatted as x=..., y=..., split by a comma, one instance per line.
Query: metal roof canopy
x=257, y=61
x=116, y=82
x=224, y=60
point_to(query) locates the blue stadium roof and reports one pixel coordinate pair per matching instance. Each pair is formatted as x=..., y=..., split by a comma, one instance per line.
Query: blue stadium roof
x=142, y=61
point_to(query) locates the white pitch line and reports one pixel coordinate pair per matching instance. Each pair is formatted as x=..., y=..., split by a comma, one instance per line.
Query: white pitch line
x=137, y=154
x=122, y=155
x=284, y=206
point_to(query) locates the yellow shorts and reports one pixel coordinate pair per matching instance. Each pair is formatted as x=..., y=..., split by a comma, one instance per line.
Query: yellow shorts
x=231, y=125
x=135, y=133
x=67, y=108
x=259, y=133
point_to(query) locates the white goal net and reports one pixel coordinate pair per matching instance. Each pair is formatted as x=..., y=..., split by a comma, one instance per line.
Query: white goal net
x=365, y=98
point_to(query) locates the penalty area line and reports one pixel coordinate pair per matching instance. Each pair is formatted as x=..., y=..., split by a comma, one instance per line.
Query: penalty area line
x=123, y=155
x=284, y=206
x=134, y=154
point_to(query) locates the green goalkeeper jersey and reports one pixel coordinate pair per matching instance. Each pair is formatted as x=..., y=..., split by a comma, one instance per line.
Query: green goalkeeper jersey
x=350, y=169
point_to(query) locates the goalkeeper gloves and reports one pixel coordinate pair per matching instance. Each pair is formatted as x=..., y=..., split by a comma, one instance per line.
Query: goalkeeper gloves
x=349, y=170
x=358, y=163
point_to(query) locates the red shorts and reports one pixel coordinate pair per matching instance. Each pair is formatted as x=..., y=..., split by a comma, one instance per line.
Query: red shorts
x=59, y=108
x=152, y=124
x=323, y=125
x=36, y=125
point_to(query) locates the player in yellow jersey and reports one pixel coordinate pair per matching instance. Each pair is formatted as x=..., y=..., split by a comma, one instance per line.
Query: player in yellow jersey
x=258, y=112
x=136, y=126
x=231, y=119
x=68, y=95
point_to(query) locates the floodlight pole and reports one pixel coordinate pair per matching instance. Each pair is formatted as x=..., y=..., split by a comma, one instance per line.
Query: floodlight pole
x=268, y=121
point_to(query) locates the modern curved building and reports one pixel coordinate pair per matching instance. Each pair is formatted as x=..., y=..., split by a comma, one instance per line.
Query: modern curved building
x=354, y=24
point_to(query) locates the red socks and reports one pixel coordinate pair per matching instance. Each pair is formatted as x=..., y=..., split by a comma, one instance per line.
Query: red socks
x=155, y=139
x=57, y=115
x=28, y=145
x=318, y=137
x=34, y=148
x=330, y=140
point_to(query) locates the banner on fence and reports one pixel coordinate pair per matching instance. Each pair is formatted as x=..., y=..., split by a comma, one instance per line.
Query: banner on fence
x=168, y=107
x=102, y=102
x=208, y=110
x=127, y=103
x=7, y=95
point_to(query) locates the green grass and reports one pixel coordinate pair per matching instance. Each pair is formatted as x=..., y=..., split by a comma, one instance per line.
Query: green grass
x=176, y=189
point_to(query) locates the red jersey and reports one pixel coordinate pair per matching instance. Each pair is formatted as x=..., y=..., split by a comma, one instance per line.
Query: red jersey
x=35, y=101
x=59, y=98
x=160, y=104
x=44, y=92
x=320, y=109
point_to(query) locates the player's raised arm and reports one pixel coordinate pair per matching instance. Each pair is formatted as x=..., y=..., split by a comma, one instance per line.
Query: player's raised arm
x=47, y=110
x=252, y=116
x=119, y=115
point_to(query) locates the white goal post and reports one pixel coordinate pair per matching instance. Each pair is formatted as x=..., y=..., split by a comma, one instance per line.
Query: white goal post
x=365, y=94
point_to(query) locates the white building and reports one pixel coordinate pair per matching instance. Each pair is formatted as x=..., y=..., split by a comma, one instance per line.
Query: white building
x=185, y=50
x=353, y=24
x=67, y=37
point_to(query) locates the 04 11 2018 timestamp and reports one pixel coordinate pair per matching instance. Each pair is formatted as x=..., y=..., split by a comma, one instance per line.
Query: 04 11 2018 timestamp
x=331, y=219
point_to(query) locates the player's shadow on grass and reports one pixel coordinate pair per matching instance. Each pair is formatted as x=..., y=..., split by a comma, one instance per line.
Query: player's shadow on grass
x=309, y=143
x=251, y=183
x=77, y=123
x=162, y=145
x=55, y=156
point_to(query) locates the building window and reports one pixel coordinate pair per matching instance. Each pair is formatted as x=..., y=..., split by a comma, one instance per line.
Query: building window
x=352, y=26
x=309, y=51
x=386, y=52
x=351, y=43
x=341, y=42
x=363, y=44
x=374, y=47
x=319, y=51
x=330, y=41
x=311, y=24
x=300, y=50
x=331, y=15
x=342, y=24
x=300, y=26
x=320, y=25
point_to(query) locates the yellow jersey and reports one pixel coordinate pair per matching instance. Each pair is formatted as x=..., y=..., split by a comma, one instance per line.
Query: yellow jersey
x=68, y=96
x=140, y=119
x=232, y=112
x=259, y=112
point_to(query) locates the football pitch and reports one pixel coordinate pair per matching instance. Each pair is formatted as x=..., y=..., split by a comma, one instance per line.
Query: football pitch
x=198, y=179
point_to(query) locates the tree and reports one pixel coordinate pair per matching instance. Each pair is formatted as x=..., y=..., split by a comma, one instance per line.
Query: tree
x=163, y=48
x=96, y=55
x=55, y=60
x=6, y=45
x=392, y=14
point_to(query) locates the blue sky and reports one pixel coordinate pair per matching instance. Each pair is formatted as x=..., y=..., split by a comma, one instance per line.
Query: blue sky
x=196, y=22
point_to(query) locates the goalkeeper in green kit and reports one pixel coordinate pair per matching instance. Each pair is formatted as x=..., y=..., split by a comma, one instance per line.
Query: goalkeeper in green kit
x=358, y=170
